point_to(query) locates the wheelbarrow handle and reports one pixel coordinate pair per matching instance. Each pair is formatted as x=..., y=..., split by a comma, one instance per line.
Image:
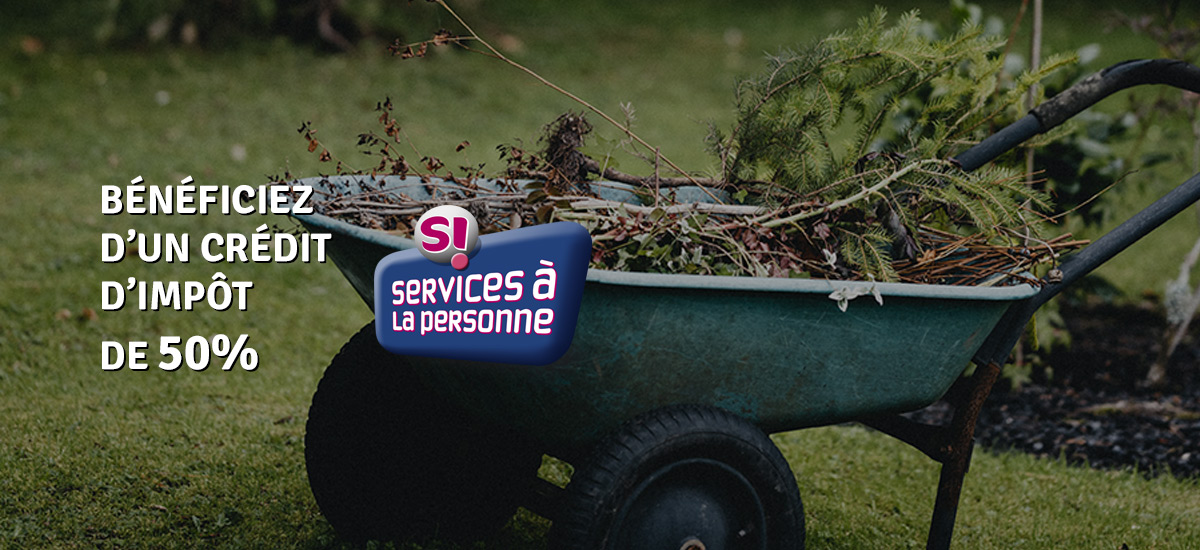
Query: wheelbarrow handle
x=1049, y=114
x=1075, y=99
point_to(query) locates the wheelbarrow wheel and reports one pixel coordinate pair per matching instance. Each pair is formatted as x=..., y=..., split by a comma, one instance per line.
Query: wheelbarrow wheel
x=682, y=478
x=387, y=460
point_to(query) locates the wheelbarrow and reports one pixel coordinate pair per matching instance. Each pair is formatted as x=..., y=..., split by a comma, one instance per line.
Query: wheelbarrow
x=664, y=400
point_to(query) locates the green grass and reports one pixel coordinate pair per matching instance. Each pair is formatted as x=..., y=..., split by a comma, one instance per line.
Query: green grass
x=215, y=459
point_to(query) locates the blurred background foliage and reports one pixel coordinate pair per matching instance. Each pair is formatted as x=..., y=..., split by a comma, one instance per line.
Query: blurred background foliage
x=1144, y=129
x=139, y=24
x=677, y=61
x=332, y=25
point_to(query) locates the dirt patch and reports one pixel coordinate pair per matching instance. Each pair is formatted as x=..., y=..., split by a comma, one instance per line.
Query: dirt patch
x=1092, y=411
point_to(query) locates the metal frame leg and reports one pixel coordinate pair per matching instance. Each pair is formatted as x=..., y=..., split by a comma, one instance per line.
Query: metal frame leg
x=960, y=442
x=950, y=445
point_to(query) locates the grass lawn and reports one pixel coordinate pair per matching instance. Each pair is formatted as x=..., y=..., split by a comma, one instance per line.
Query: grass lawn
x=93, y=459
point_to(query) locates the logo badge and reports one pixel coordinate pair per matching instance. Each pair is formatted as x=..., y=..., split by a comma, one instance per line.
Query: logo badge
x=508, y=297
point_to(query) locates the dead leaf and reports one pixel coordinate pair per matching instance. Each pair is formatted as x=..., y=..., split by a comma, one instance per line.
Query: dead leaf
x=442, y=37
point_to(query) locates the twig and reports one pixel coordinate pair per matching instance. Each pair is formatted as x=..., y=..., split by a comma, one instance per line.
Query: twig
x=852, y=198
x=628, y=131
x=697, y=207
x=1012, y=33
x=616, y=175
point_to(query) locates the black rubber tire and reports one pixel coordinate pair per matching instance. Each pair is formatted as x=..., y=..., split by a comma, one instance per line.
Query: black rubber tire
x=387, y=460
x=680, y=474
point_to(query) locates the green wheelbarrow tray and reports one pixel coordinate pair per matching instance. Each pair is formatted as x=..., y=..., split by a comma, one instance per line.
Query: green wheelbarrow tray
x=778, y=352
